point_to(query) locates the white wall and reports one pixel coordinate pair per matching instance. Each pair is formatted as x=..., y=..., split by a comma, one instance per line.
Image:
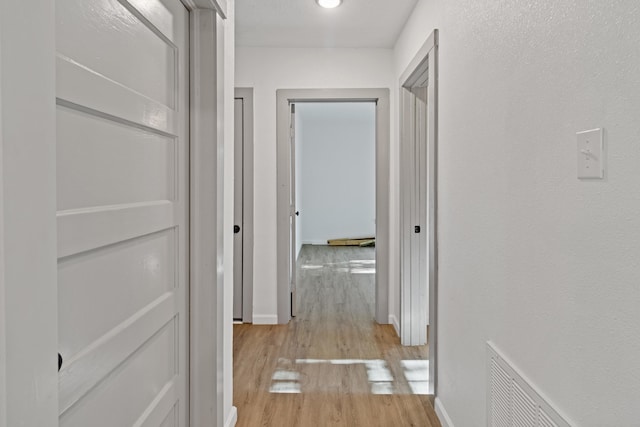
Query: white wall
x=541, y=263
x=269, y=69
x=338, y=181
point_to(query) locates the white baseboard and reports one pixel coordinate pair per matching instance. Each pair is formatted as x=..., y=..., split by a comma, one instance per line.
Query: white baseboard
x=442, y=414
x=314, y=242
x=232, y=419
x=393, y=320
x=265, y=319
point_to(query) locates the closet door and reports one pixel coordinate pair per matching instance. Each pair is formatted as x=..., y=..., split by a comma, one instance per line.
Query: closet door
x=122, y=188
x=414, y=224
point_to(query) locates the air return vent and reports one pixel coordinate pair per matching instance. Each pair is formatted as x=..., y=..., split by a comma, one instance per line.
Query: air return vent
x=512, y=401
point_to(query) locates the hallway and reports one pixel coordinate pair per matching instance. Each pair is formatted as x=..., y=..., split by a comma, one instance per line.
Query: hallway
x=332, y=365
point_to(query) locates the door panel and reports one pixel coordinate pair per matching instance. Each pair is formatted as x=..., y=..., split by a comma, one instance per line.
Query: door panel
x=149, y=370
x=147, y=58
x=102, y=162
x=122, y=165
x=414, y=224
x=238, y=215
x=122, y=290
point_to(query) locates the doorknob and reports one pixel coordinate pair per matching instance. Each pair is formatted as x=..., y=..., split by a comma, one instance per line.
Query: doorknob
x=236, y=229
x=59, y=361
x=297, y=213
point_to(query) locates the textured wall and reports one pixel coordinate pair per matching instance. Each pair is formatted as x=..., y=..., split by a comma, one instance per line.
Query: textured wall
x=541, y=263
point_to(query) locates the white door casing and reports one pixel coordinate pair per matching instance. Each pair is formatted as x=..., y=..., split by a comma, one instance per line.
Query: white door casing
x=285, y=97
x=123, y=197
x=28, y=238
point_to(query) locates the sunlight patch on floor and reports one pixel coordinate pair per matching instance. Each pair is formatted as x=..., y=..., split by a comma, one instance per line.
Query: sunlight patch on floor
x=379, y=376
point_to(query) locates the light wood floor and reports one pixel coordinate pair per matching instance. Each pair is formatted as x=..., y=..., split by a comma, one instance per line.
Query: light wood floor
x=332, y=365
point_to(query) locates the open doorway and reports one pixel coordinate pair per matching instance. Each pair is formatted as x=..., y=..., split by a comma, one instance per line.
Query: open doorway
x=334, y=199
x=286, y=209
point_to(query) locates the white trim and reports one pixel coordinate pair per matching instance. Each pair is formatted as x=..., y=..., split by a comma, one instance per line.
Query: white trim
x=314, y=242
x=419, y=58
x=442, y=414
x=220, y=6
x=3, y=354
x=232, y=419
x=265, y=319
x=206, y=216
x=28, y=180
x=393, y=320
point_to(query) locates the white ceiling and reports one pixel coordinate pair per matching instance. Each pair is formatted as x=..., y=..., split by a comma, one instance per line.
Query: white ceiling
x=302, y=23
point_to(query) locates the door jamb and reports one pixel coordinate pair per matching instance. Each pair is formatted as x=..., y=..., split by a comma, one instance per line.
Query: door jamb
x=246, y=94
x=382, y=98
x=206, y=210
x=426, y=61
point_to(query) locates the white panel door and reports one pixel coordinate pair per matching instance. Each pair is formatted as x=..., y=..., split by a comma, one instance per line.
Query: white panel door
x=414, y=221
x=122, y=188
x=238, y=209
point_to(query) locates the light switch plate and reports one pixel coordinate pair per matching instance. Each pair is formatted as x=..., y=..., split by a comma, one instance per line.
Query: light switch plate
x=590, y=154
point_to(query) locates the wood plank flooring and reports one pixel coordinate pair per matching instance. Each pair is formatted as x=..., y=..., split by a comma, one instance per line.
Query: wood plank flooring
x=332, y=365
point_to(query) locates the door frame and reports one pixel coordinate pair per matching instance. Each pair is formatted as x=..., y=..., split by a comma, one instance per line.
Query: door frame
x=422, y=69
x=246, y=94
x=383, y=136
x=28, y=366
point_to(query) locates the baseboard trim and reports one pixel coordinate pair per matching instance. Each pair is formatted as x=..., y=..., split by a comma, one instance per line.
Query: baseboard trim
x=232, y=419
x=265, y=319
x=393, y=320
x=315, y=242
x=442, y=414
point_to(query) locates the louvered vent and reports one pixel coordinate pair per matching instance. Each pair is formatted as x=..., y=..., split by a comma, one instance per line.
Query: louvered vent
x=513, y=402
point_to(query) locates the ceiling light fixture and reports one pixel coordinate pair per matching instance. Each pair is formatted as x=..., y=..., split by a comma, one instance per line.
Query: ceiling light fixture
x=329, y=4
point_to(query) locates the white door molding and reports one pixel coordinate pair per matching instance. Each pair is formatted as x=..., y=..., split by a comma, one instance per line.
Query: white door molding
x=28, y=238
x=419, y=248
x=383, y=117
x=220, y=6
x=206, y=214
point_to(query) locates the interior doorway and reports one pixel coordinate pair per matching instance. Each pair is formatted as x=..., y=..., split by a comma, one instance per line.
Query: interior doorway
x=418, y=202
x=286, y=212
x=333, y=192
x=243, y=207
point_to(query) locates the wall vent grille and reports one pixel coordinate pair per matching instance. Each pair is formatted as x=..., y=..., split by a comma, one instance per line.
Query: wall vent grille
x=512, y=400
